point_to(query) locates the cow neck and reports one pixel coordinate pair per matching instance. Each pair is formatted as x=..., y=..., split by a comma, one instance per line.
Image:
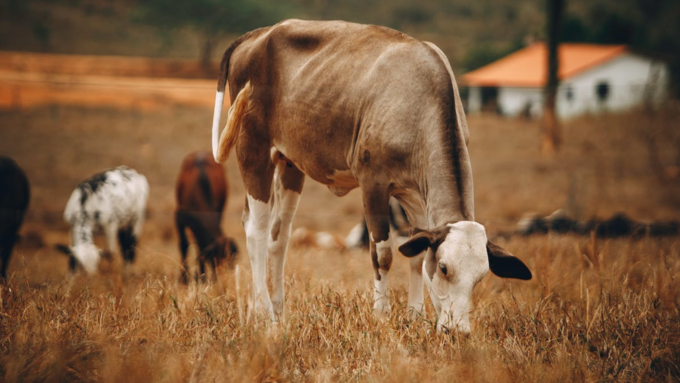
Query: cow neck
x=449, y=195
x=82, y=232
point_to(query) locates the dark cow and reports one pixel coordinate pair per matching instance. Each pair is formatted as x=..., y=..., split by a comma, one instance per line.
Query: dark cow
x=201, y=196
x=618, y=225
x=353, y=105
x=14, y=197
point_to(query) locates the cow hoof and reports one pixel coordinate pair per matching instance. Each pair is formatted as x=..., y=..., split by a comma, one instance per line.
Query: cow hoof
x=381, y=307
x=264, y=309
x=278, y=308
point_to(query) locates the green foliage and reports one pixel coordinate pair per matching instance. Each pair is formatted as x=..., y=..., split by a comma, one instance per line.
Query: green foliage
x=484, y=54
x=410, y=14
x=209, y=16
x=14, y=8
x=644, y=25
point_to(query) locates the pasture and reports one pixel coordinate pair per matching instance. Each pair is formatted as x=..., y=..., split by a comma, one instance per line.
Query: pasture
x=596, y=309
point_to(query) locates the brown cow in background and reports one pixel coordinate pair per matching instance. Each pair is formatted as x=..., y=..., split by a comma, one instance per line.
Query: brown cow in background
x=14, y=197
x=201, y=197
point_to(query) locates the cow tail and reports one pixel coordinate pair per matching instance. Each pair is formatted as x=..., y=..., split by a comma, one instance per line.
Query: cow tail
x=238, y=109
x=221, y=85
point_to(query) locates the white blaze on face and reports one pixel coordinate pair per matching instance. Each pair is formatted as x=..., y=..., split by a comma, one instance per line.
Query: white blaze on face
x=461, y=262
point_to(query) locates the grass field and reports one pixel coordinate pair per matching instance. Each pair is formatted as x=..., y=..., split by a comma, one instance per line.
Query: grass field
x=596, y=310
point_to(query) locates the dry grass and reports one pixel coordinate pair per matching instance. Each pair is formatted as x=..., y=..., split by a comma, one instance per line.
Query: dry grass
x=596, y=310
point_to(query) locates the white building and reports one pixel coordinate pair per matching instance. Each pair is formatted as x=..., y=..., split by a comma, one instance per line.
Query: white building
x=593, y=79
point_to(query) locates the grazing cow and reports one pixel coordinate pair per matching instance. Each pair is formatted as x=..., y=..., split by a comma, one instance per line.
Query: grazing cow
x=14, y=197
x=353, y=105
x=201, y=197
x=113, y=201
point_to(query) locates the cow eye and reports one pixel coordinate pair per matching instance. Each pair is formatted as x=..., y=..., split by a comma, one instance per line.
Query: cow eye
x=442, y=267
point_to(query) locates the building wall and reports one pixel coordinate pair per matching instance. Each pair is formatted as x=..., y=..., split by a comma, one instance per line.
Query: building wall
x=630, y=80
x=627, y=81
x=514, y=102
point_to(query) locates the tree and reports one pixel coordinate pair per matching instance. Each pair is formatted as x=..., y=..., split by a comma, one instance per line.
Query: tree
x=211, y=18
x=551, y=126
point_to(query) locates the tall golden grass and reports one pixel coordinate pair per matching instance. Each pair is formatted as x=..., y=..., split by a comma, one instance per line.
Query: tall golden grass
x=596, y=310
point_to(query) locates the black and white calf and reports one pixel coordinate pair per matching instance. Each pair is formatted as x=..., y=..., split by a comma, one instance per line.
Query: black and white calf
x=113, y=201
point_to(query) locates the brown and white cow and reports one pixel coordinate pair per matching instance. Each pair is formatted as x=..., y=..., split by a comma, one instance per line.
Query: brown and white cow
x=353, y=105
x=201, y=196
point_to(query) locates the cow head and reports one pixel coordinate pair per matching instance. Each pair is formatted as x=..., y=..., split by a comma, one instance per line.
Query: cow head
x=222, y=249
x=458, y=256
x=86, y=254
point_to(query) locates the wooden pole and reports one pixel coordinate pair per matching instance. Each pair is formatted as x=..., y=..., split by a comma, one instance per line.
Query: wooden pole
x=552, y=135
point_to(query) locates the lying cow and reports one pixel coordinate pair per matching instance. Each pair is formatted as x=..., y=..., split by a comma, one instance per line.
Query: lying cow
x=14, y=197
x=201, y=196
x=353, y=105
x=113, y=201
x=618, y=225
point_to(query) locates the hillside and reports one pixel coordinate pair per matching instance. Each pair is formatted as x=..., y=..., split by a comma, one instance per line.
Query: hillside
x=97, y=27
x=471, y=32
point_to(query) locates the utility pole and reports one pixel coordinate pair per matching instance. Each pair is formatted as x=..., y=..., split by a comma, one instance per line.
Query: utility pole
x=552, y=135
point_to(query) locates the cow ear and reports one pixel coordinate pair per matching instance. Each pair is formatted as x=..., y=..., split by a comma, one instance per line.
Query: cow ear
x=422, y=240
x=415, y=245
x=504, y=264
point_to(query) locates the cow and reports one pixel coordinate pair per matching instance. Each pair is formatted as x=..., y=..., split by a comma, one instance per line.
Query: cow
x=113, y=201
x=201, y=196
x=352, y=105
x=15, y=194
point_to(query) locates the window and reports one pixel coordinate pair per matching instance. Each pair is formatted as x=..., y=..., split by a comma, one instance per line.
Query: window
x=569, y=93
x=602, y=90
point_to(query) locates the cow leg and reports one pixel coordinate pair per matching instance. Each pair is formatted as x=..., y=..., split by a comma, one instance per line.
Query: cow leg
x=111, y=232
x=257, y=172
x=416, y=216
x=377, y=210
x=201, y=265
x=6, y=245
x=213, y=265
x=288, y=182
x=183, y=245
x=255, y=221
x=128, y=241
x=135, y=231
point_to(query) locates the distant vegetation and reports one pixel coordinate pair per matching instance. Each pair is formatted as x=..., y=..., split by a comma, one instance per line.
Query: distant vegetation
x=471, y=32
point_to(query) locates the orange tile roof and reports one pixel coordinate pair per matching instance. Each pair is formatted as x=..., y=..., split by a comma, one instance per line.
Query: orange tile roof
x=527, y=67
